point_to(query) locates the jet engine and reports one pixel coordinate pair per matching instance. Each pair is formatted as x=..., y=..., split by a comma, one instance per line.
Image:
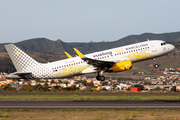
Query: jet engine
x=121, y=66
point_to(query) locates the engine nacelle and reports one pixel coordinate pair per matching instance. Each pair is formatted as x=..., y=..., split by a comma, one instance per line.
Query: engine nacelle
x=121, y=66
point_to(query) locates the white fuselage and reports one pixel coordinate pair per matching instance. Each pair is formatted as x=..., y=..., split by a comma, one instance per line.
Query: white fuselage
x=134, y=52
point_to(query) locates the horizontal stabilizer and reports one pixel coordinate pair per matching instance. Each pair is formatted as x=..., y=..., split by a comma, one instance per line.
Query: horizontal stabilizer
x=22, y=74
x=18, y=75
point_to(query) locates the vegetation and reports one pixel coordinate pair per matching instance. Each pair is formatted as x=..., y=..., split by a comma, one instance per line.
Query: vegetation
x=157, y=89
x=173, y=89
x=8, y=87
x=85, y=97
x=91, y=114
x=37, y=88
x=6, y=65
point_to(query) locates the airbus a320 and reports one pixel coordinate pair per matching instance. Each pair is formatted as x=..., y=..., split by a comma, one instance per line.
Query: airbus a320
x=111, y=60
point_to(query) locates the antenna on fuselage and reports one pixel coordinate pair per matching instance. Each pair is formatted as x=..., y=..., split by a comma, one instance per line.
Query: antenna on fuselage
x=147, y=39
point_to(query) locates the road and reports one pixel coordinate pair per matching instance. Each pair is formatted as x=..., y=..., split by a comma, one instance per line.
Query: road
x=85, y=104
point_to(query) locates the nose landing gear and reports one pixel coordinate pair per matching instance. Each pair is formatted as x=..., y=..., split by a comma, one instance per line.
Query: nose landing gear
x=155, y=65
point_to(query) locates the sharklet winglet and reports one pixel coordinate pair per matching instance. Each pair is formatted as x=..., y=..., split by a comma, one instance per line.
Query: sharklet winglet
x=68, y=55
x=79, y=53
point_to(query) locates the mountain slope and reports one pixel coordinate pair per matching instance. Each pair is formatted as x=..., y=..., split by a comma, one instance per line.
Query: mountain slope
x=58, y=46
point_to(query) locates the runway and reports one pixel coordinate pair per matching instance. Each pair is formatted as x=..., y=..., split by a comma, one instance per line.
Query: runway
x=84, y=104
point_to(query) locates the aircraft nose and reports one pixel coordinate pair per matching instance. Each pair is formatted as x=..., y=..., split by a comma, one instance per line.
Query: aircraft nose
x=171, y=47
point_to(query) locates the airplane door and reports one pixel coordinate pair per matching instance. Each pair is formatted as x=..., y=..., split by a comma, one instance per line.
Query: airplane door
x=153, y=47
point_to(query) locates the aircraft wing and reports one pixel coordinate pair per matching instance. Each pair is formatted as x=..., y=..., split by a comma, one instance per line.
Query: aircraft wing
x=96, y=63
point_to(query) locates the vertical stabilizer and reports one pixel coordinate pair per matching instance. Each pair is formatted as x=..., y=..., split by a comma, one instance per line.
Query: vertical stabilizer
x=19, y=58
x=24, y=63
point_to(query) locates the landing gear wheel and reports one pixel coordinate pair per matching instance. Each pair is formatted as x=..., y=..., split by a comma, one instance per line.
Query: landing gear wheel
x=156, y=65
x=101, y=78
x=98, y=77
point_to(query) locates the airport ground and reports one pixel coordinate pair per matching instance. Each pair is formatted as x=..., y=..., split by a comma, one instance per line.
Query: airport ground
x=88, y=96
x=119, y=106
x=90, y=114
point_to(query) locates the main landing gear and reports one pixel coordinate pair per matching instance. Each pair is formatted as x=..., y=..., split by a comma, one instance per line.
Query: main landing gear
x=100, y=76
x=155, y=65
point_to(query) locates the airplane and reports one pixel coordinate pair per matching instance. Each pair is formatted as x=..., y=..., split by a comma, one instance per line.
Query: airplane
x=111, y=60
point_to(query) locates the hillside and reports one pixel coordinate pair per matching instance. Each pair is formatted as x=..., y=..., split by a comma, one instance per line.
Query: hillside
x=170, y=60
x=7, y=66
x=44, y=50
x=58, y=46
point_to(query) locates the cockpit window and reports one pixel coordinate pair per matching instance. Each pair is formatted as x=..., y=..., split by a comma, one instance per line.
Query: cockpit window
x=164, y=43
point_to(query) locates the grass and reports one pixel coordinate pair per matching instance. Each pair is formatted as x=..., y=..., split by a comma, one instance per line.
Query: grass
x=90, y=114
x=85, y=97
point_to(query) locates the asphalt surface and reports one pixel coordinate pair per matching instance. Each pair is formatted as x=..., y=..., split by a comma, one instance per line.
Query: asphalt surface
x=100, y=104
x=91, y=93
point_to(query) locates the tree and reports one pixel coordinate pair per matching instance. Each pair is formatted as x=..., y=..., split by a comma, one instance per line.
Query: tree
x=8, y=87
x=157, y=89
x=173, y=89
x=128, y=89
x=139, y=86
x=52, y=81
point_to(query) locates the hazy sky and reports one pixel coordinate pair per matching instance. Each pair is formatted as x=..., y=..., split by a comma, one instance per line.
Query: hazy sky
x=86, y=20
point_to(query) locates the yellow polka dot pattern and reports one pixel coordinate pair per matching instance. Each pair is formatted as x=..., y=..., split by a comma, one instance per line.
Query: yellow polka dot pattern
x=139, y=55
x=71, y=70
